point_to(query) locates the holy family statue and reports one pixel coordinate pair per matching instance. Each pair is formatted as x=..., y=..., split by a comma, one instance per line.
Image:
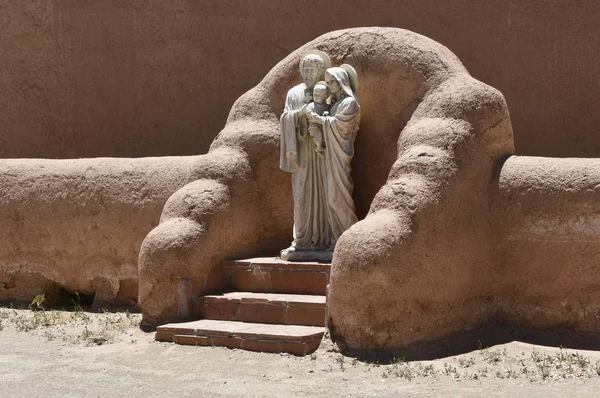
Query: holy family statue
x=318, y=128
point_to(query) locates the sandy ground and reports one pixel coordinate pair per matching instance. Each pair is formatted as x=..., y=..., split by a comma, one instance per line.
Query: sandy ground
x=81, y=354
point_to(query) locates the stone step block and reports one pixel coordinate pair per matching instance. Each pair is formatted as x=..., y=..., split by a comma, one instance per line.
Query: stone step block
x=271, y=275
x=272, y=308
x=293, y=339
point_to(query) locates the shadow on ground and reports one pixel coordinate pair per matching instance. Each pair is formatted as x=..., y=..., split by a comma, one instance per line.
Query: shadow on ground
x=488, y=335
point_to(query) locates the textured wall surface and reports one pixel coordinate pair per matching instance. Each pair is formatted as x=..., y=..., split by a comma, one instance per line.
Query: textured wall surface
x=551, y=244
x=148, y=78
x=78, y=224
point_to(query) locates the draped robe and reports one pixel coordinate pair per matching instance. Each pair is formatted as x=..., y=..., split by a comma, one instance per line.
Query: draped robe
x=339, y=131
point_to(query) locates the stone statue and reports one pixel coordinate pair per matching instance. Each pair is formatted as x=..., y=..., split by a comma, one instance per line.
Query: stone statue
x=317, y=146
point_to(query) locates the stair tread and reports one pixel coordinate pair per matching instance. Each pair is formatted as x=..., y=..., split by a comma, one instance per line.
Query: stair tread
x=272, y=262
x=243, y=330
x=269, y=297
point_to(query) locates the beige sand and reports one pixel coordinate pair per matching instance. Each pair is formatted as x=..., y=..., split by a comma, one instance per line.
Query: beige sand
x=105, y=355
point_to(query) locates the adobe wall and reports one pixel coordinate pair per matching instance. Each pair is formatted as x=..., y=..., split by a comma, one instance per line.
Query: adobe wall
x=78, y=224
x=522, y=242
x=128, y=79
x=550, y=219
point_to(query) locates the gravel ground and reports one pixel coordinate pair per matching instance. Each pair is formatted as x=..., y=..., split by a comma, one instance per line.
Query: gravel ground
x=81, y=354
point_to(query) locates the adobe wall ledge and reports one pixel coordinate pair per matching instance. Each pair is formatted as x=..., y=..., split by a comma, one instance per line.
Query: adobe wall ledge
x=549, y=217
x=78, y=224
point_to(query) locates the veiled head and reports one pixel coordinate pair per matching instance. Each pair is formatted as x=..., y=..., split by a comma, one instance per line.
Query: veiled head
x=338, y=80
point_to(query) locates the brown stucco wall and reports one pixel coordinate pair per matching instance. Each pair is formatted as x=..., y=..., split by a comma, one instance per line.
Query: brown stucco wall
x=78, y=224
x=550, y=223
x=150, y=78
x=460, y=233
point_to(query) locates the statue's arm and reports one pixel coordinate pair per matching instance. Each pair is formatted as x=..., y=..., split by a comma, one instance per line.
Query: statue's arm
x=289, y=114
x=343, y=114
x=315, y=118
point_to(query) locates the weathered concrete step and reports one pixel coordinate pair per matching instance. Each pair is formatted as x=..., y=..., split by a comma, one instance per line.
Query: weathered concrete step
x=271, y=275
x=273, y=308
x=297, y=340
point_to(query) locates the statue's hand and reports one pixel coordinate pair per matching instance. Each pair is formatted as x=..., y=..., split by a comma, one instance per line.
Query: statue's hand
x=320, y=148
x=302, y=111
x=315, y=118
x=293, y=160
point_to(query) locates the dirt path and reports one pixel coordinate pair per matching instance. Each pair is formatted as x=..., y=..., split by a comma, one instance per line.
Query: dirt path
x=80, y=354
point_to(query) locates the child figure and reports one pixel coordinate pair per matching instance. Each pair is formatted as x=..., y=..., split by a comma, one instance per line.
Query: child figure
x=321, y=108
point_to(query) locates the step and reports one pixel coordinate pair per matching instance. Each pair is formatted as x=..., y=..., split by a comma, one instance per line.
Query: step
x=273, y=308
x=272, y=275
x=297, y=340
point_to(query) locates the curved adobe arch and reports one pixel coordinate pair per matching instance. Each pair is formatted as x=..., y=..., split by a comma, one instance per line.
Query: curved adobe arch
x=429, y=147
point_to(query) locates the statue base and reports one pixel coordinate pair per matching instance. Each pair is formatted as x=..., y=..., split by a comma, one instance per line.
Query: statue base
x=293, y=254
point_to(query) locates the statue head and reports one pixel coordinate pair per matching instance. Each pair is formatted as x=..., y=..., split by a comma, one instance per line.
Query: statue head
x=342, y=80
x=320, y=92
x=333, y=80
x=313, y=66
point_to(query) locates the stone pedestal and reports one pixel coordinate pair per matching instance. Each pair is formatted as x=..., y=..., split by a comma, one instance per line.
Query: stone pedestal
x=322, y=256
